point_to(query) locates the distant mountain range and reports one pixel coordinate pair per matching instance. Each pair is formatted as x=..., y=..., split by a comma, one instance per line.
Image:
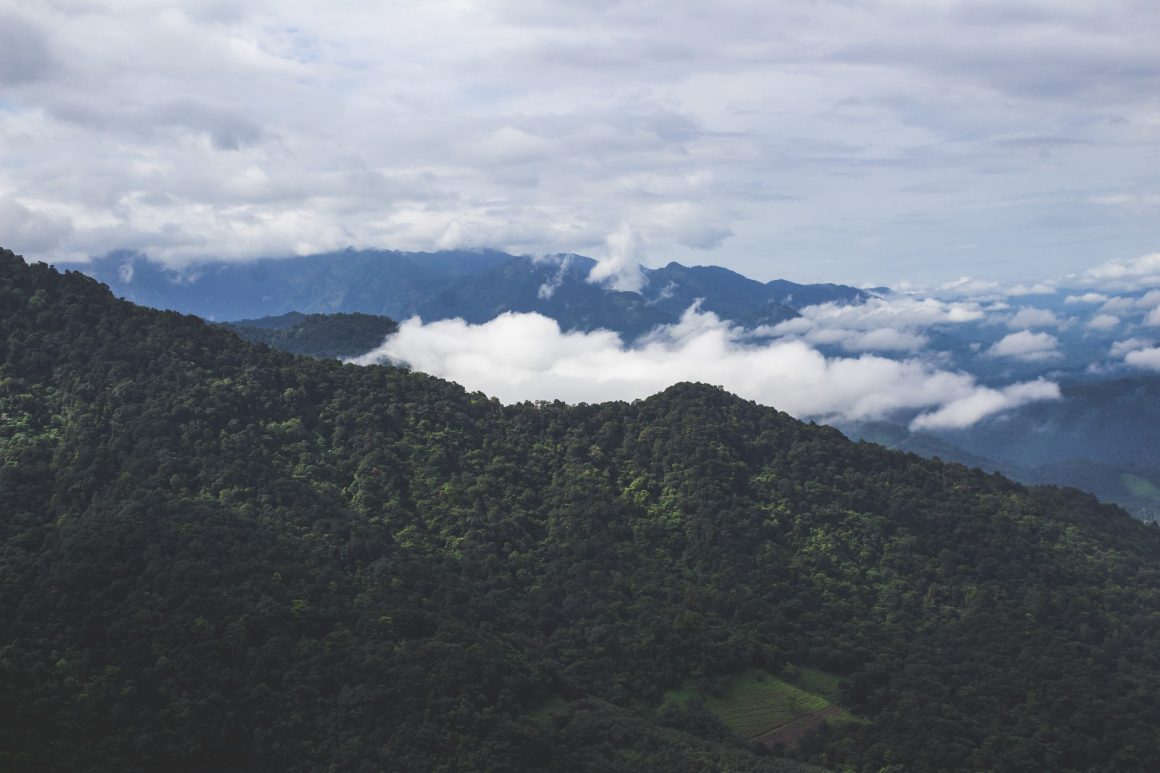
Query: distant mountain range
x=1102, y=437
x=473, y=285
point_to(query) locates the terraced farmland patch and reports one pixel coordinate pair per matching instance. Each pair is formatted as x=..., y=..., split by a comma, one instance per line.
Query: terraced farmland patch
x=755, y=703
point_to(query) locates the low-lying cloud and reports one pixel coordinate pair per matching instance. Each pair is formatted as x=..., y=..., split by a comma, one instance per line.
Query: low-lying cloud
x=1029, y=316
x=1104, y=322
x=1122, y=348
x=620, y=269
x=889, y=324
x=519, y=357
x=1149, y=359
x=984, y=402
x=1027, y=346
x=1136, y=273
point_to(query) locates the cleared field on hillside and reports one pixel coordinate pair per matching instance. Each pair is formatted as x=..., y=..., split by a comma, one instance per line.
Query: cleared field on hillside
x=755, y=702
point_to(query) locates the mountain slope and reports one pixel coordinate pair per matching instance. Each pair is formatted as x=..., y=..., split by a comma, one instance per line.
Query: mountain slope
x=219, y=556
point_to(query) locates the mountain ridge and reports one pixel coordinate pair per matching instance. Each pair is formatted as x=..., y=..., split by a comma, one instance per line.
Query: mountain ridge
x=220, y=555
x=473, y=285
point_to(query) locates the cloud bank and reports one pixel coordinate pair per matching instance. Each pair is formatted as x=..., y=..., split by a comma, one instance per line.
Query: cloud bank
x=1027, y=346
x=1149, y=359
x=527, y=357
x=1142, y=272
x=881, y=324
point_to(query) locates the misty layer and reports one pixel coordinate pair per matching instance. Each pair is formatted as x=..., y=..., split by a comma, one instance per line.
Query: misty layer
x=527, y=357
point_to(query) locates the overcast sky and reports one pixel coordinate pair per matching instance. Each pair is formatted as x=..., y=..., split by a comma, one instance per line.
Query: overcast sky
x=851, y=142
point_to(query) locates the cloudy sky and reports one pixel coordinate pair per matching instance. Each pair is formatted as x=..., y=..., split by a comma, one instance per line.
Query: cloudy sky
x=817, y=141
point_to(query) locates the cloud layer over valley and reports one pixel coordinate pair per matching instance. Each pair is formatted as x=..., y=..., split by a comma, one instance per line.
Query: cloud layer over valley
x=527, y=357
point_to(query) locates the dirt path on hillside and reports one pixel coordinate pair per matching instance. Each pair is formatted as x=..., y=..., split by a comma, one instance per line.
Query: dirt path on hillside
x=791, y=731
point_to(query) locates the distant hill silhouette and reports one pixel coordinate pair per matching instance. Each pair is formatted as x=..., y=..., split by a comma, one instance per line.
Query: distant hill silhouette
x=473, y=285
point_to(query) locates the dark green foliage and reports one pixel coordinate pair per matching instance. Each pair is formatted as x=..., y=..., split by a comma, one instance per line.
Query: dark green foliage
x=318, y=335
x=220, y=556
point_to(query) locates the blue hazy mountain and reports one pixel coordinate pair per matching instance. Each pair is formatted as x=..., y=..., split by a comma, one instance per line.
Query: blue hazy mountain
x=381, y=282
x=473, y=285
x=1103, y=437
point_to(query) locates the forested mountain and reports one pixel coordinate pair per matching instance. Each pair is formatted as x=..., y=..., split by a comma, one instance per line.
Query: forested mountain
x=217, y=556
x=318, y=335
x=476, y=286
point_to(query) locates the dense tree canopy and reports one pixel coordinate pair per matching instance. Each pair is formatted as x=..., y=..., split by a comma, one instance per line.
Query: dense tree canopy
x=221, y=556
x=318, y=335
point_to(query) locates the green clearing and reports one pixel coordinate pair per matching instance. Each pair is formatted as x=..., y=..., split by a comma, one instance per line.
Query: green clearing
x=816, y=681
x=755, y=701
x=1141, y=487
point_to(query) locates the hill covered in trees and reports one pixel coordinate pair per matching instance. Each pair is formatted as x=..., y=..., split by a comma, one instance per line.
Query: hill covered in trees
x=221, y=556
x=318, y=335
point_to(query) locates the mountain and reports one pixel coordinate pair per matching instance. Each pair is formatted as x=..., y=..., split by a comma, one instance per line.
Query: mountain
x=317, y=335
x=383, y=282
x=556, y=287
x=476, y=286
x=219, y=556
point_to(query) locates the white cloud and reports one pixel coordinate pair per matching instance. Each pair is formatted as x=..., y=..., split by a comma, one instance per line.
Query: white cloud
x=1132, y=274
x=970, y=287
x=884, y=340
x=548, y=288
x=984, y=402
x=1037, y=288
x=988, y=290
x=526, y=357
x=1119, y=303
x=1144, y=358
x=1027, y=346
x=1121, y=348
x=1086, y=298
x=886, y=324
x=1127, y=304
x=39, y=231
x=896, y=311
x=1149, y=299
x=1029, y=317
x=620, y=269
x=1103, y=322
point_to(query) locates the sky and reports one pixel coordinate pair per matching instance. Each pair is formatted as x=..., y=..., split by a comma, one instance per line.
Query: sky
x=869, y=142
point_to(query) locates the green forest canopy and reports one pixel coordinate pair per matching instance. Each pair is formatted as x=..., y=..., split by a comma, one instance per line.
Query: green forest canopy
x=216, y=555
